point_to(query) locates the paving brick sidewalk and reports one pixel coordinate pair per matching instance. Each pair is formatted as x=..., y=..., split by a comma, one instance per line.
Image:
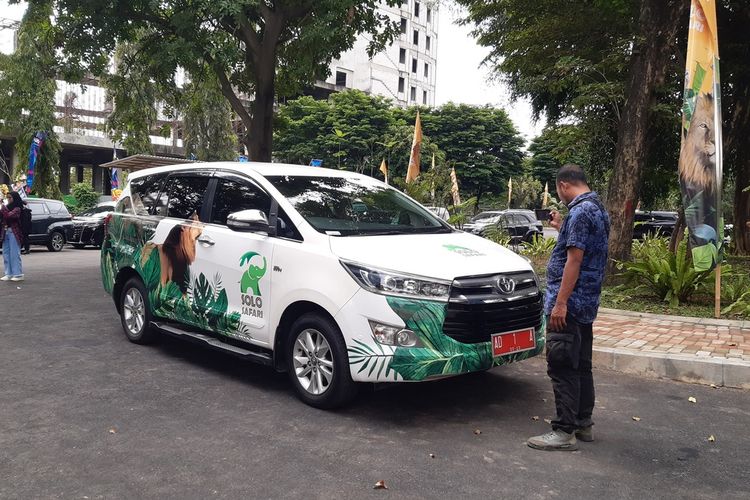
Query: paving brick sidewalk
x=693, y=349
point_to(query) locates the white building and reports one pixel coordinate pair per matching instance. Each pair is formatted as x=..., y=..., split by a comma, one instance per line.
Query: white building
x=404, y=71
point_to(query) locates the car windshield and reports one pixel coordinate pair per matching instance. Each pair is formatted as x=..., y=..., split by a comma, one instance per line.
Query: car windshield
x=486, y=217
x=343, y=206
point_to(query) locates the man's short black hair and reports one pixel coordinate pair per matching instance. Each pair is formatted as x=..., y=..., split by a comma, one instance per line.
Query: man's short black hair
x=571, y=173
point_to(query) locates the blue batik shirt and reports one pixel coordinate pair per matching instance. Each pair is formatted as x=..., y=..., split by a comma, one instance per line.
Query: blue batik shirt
x=586, y=227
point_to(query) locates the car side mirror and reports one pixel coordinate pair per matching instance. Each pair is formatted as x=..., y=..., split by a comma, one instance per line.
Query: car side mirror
x=248, y=220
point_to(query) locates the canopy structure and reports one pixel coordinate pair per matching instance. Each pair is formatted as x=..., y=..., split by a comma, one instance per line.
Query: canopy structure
x=141, y=161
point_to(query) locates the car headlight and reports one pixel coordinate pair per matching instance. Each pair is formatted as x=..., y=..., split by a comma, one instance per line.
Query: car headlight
x=398, y=284
x=394, y=335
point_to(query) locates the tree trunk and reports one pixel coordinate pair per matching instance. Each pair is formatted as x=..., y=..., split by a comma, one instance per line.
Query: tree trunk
x=742, y=202
x=678, y=232
x=259, y=139
x=658, y=27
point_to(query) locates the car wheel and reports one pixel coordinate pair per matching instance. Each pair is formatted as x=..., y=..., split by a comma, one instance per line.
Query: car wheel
x=56, y=241
x=318, y=364
x=78, y=245
x=135, y=314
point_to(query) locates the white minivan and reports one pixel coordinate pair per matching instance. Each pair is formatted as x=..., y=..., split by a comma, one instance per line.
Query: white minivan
x=332, y=276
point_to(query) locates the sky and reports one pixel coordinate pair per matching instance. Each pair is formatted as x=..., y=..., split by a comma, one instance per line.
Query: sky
x=460, y=76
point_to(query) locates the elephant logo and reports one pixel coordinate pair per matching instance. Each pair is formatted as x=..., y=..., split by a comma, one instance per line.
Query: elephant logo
x=252, y=276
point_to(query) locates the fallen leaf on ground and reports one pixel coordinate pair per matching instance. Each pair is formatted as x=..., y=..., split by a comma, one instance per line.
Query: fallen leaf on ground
x=714, y=386
x=692, y=399
x=535, y=418
x=380, y=485
x=711, y=439
x=637, y=419
x=548, y=421
x=112, y=431
x=432, y=455
x=477, y=432
x=732, y=344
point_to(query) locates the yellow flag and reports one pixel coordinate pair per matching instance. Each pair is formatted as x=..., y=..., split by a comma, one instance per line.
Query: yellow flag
x=510, y=189
x=384, y=169
x=416, y=147
x=433, y=161
x=454, y=187
x=546, y=195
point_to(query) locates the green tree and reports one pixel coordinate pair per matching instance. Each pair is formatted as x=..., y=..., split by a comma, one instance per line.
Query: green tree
x=553, y=148
x=601, y=63
x=527, y=192
x=480, y=141
x=207, y=120
x=27, y=100
x=258, y=49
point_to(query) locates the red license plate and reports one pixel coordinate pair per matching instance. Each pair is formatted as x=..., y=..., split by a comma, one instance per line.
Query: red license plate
x=508, y=343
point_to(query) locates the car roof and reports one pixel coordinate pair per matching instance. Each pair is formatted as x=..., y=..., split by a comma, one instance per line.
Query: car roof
x=264, y=169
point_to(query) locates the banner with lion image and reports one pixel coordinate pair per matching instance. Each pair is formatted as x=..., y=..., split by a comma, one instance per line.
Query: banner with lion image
x=700, y=163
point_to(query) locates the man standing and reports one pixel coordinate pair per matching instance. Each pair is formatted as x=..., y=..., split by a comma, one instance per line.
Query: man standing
x=574, y=282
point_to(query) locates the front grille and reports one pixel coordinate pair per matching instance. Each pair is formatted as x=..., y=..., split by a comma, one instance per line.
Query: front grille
x=477, y=308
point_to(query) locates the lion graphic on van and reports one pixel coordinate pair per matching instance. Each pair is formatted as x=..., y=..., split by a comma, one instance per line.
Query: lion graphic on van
x=177, y=253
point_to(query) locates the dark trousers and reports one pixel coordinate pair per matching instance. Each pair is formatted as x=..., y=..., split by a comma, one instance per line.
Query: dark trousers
x=26, y=243
x=569, y=367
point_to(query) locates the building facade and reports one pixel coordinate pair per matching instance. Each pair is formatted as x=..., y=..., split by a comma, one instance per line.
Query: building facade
x=405, y=71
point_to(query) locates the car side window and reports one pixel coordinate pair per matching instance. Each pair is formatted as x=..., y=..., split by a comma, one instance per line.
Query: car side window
x=37, y=208
x=124, y=206
x=236, y=195
x=55, y=207
x=144, y=191
x=184, y=196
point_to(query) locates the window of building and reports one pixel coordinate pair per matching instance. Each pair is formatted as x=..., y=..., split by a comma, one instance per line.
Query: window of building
x=341, y=79
x=413, y=65
x=424, y=97
x=401, y=84
x=416, y=37
x=403, y=25
x=426, y=70
x=416, y=9
x=427, y=41
x=429, y=14
x=413, y=94
x=402, y=56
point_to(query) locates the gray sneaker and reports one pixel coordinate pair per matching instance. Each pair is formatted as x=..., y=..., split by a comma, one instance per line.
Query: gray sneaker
x=554, y=441
x=585, y=434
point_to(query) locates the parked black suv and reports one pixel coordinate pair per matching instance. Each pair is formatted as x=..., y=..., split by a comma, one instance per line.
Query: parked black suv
x=521, y=225
x=50, y=221
x=88, y=226
x=656, y=223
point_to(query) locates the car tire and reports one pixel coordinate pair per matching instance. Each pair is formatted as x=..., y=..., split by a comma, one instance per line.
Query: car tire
x=318, y=363
x=135, y=313
x=56, y=241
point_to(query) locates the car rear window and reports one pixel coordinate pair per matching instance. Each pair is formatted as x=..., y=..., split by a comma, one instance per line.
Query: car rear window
x=144, y=191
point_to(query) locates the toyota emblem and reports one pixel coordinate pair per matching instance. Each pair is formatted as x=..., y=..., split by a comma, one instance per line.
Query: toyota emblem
x=506, y=285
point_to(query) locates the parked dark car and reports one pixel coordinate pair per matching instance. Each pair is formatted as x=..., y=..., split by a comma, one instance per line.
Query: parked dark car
x=88, y=226
x=50, y=221
x=521, y=225
x=655, y=223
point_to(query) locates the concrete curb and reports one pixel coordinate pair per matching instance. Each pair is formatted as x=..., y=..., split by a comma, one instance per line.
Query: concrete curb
x=684, y=319
x=685, y=368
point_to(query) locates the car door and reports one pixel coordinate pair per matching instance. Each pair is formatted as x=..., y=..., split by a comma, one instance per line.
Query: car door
x=174, y=273
x=239, y=261
x=39, y=220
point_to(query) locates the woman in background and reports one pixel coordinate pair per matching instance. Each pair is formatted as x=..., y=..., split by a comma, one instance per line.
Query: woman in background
x=11, y=236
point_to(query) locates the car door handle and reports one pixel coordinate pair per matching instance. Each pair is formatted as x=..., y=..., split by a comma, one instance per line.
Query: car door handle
x=206, y=241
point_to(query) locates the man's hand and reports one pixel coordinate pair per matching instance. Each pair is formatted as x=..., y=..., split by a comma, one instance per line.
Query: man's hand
x=557, y=322
x=555, y=220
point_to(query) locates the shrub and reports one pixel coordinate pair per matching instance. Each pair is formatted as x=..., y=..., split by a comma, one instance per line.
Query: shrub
x=85, y=196
x=671, y=277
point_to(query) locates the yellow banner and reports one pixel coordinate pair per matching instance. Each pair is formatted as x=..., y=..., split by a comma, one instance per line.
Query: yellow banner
x=700, y=164
x=415, y=157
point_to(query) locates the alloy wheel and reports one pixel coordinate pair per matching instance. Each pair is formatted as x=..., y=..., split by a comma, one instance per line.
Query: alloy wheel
x=313, y=361
x=134, y=311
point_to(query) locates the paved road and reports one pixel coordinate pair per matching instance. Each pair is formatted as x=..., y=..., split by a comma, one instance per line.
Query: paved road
x=85, y=414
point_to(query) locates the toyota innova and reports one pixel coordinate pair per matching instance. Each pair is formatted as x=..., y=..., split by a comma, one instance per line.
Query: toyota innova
x=331, y=276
